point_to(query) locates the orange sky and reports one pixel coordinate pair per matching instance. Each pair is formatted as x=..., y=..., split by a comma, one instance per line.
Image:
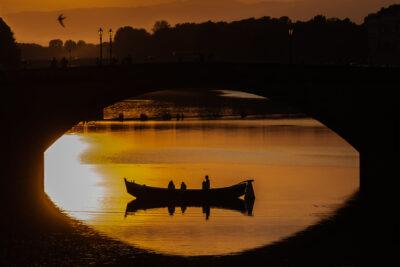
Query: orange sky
x=12, y=6
x=35, y=21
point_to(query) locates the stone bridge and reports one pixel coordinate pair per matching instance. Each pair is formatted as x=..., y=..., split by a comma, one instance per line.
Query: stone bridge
x=38, y=106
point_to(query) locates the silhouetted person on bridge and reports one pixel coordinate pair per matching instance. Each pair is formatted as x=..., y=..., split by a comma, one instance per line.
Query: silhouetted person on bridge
x=64, y=63
x=54, y=63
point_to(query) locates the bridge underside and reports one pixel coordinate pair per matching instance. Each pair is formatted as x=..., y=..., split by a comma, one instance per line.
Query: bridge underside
x=40, y=106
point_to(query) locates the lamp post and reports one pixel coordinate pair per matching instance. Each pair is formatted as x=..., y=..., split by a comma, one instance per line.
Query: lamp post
x=101, y=45
x=110, y=33
x=290, y=44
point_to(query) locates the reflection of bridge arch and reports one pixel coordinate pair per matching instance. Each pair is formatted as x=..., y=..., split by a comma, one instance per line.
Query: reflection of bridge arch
x=41, y=105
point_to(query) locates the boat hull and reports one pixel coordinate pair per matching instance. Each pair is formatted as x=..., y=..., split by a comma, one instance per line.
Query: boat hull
x=148, y=192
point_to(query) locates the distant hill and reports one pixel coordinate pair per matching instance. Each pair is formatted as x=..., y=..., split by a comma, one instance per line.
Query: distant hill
x=83, y=23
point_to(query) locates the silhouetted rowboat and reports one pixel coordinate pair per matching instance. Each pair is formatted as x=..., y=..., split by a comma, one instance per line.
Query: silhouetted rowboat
x=148, y=192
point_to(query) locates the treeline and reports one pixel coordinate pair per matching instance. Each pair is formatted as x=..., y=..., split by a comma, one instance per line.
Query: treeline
x=317, y=41
x=58, y=49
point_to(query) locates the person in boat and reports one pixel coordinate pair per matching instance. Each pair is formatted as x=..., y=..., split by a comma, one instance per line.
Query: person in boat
x=207, y=183
x=183, y=186
x=171, y=185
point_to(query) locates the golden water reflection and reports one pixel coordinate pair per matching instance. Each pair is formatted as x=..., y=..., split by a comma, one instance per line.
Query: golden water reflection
x=302, y=172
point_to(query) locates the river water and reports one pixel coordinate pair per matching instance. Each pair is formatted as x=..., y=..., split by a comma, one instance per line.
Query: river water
x=302, y=173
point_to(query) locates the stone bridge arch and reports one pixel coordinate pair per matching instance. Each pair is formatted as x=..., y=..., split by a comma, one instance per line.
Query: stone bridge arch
x=41, y=105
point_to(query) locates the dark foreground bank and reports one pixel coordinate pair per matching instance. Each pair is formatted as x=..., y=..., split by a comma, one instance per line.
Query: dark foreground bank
x=337, y=241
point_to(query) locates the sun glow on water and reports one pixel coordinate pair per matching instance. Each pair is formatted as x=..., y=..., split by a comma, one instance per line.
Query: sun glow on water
x=70, y=187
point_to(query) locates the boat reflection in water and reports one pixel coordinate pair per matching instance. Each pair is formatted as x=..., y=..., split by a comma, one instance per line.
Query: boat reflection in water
x=235, y=204
x=227, y=198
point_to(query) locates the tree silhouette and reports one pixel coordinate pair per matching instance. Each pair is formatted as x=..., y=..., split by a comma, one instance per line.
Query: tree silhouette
x=56, y=48
x=9, y=52
x=70, y=45
x=56, y=43
x=131, y=42
x=160, y=25
x=81, y=44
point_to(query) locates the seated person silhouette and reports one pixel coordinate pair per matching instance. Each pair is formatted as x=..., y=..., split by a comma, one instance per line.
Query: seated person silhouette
x=183, y=186
x=171, y=185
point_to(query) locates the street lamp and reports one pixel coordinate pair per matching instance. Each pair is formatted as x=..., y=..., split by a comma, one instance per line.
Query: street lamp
x=110, y=33
x=101, y=45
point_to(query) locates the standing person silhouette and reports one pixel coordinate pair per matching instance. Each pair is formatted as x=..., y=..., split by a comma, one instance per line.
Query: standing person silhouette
x=64, y=63
x=207, y=183
x=54, y=63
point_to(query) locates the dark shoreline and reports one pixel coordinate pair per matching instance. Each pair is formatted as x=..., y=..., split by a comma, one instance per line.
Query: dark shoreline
x=335, y=241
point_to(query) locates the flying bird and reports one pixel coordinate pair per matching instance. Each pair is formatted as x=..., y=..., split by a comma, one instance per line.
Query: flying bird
x=61, y=19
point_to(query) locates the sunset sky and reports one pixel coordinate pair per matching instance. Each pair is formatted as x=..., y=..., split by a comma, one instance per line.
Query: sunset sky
x=35, y=21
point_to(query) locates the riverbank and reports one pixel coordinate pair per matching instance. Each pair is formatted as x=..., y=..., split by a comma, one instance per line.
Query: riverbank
x=336, y=241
